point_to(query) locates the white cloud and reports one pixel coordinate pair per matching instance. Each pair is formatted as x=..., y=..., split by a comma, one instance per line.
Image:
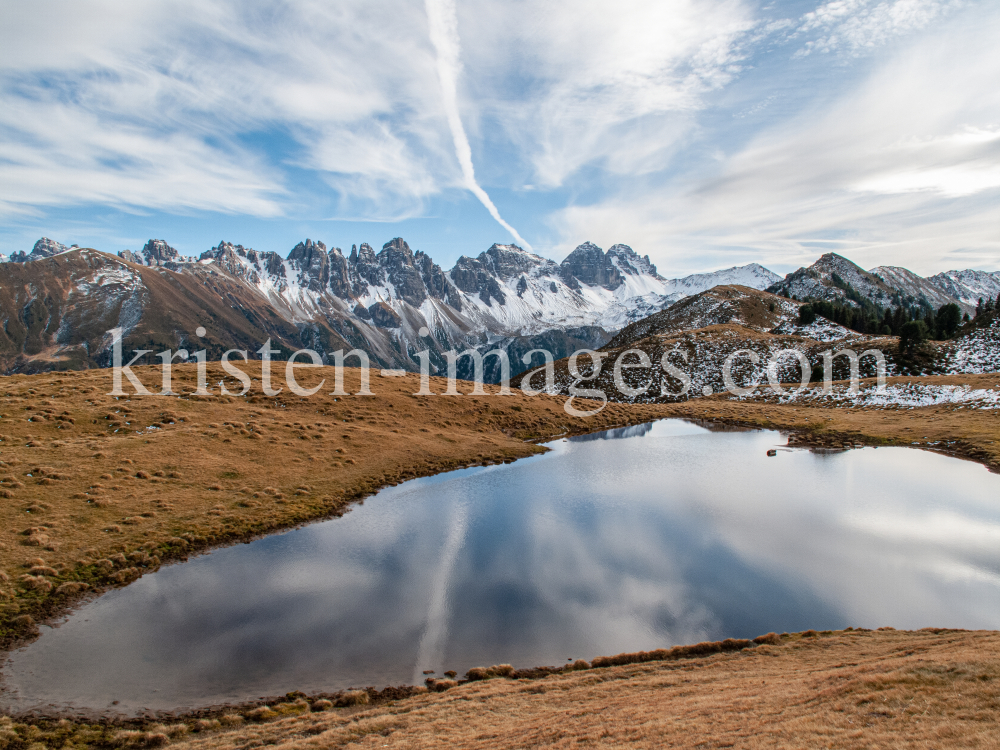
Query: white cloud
x=59, y=157
x=901, y=169
x=157, y=107
x=186, y=93
x=615, y=83
x=859, y=25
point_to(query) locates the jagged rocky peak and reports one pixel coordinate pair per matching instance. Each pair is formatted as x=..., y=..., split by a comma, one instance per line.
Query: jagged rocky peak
x=434, y=278
x=365, y=264
x=588, y=264
x=478, y=276
x=630, y=262
x=229, y=256
x=307, y=249
x=508, y=261
x=46, y=248
x=158, y=253
x=397, y=260
x=228, y=248
x=362, y=254
x=312, y=259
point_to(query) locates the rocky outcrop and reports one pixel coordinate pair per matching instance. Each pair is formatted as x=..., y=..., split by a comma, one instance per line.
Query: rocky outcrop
x=384, y=316
x=159, y=253
x=628, y=261
x=401, y=271
x=44, y=248
x=366, y=266
x=590, y=265
x=474, y=276
x=313, y=261
x=434, y=279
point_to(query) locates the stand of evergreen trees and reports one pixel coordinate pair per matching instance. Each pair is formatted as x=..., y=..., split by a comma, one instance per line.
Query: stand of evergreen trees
x=915, y=323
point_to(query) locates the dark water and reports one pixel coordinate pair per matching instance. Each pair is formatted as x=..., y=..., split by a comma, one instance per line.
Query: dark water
x=636, y=539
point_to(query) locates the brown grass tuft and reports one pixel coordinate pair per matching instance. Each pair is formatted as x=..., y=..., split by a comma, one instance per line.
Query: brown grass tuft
x=352, y=698
x=138, y=738
x=485, y=673
x=261, y=713
x=772, y=639
x=71, y=587
x=36, y=583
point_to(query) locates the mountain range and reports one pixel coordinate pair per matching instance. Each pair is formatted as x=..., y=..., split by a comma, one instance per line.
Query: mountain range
x=58, y=302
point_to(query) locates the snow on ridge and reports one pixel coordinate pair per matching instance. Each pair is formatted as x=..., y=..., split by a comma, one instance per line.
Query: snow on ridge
x=821, y=329
x=903, y=395
x=969, y=285
x=752, y=275
x=976, y=353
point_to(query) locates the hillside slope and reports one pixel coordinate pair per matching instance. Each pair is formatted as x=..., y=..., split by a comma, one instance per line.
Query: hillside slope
x=759, y=311
x=916, y=290
x=968, y=286
x=827, y=279
x=56, y=312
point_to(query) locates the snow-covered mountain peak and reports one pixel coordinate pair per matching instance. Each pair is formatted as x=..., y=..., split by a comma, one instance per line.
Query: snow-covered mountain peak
x=629, y=262
x=752, y=275
x=968, y=286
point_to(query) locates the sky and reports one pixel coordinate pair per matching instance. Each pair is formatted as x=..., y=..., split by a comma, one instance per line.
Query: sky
x=704, y=133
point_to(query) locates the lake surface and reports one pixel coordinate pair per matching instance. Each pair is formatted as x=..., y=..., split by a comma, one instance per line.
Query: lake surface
x=635, y=539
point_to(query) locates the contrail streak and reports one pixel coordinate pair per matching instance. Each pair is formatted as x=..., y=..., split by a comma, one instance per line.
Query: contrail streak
x=444, y=36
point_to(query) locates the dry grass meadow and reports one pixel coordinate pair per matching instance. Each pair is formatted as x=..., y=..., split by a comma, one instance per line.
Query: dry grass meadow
x=96, y=491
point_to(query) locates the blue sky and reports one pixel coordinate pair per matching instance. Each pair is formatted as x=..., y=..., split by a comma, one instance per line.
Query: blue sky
x=706, y=133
